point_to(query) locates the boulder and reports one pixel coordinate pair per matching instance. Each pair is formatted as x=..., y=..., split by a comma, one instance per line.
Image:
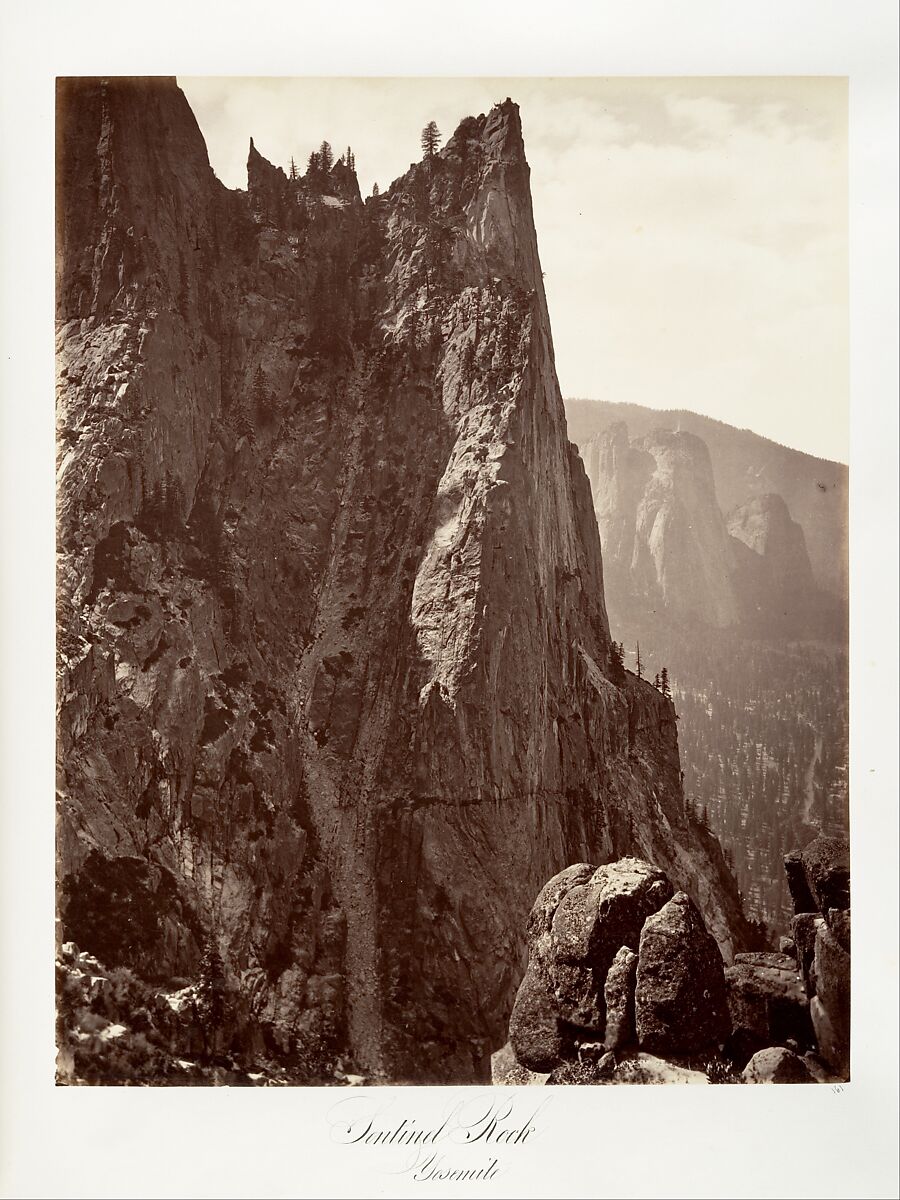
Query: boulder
x=838, y=921
x=834, y=1049
x=551, y=894
x=803, y=928
x=801, y=896
x=832, y=971
x=777, y=1065
x=647, y=1068
x=681, y=1004
x=618, y=994
x=832, y=967
x=826, y=865
x=593, y=920
x=767, y=1005
x=535, y=1032
x=506, y=1071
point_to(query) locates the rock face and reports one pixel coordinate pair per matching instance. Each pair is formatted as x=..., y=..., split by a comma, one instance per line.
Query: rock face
x=680, y=1001
x=747, y=466
x=669, y=549
x=773, y=574
x=335, y=677
x=777, y=1065
x=663, y=535
x=822, y=938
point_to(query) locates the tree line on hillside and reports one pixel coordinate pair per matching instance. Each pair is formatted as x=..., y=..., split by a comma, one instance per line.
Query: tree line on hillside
x=763, y=736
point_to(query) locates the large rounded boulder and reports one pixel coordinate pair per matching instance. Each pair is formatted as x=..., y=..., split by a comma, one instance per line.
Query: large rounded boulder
x=593, y=921
x=681, y=1003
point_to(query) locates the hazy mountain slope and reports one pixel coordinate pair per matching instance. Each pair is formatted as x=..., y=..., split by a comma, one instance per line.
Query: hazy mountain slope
x=746, y=465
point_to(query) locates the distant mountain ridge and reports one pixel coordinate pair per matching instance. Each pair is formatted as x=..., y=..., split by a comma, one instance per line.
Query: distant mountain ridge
x=747, y=465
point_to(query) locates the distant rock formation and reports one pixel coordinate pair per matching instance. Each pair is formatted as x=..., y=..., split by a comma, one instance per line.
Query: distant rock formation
x=772, y=571
x=745, y=466
x=625, y=985
x=336, y=682
x=668, y=550
x=663, y=536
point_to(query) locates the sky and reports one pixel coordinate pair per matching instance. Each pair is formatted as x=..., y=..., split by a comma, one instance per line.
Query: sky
x=692, y=232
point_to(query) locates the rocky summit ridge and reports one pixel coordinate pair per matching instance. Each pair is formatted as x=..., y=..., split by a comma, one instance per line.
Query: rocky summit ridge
x=336, y=689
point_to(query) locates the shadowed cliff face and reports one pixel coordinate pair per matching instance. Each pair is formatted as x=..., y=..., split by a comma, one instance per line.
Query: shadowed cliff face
x=335, y=677
x=771, y=563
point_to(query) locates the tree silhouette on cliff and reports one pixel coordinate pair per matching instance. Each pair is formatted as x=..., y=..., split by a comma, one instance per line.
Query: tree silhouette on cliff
x=431, y=139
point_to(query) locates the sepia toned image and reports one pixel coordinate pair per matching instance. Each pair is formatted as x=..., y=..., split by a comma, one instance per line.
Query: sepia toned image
x=452, y=584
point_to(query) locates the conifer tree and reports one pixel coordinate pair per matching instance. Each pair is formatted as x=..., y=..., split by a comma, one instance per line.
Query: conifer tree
x=617, y=663
x=261, y=396
x=175, y=504
x=664, y=682
x=656, y=682
x=211, y=998
x=153, y=508
x=412, y=329
x=639, y=666
x=431, y=139
x=326, y=156
x=293, y=170
x=312, y=164
x=375, y=191
x=467, y=363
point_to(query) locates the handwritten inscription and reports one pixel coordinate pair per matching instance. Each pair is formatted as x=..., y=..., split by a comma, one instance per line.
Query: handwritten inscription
x=463, y=1144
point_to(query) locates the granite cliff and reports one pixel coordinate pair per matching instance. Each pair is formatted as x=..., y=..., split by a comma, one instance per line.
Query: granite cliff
x=336, y=691
x=745, y=466
x=663, y=535
x=670, y=551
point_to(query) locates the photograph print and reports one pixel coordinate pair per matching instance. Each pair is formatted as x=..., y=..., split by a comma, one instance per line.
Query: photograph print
x=452, y=581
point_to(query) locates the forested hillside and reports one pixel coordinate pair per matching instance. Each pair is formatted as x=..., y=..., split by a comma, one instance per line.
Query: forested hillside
x=763, y=732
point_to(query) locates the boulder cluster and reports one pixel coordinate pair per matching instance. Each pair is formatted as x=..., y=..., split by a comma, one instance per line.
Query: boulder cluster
x=819, y=880
x=625, y=983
